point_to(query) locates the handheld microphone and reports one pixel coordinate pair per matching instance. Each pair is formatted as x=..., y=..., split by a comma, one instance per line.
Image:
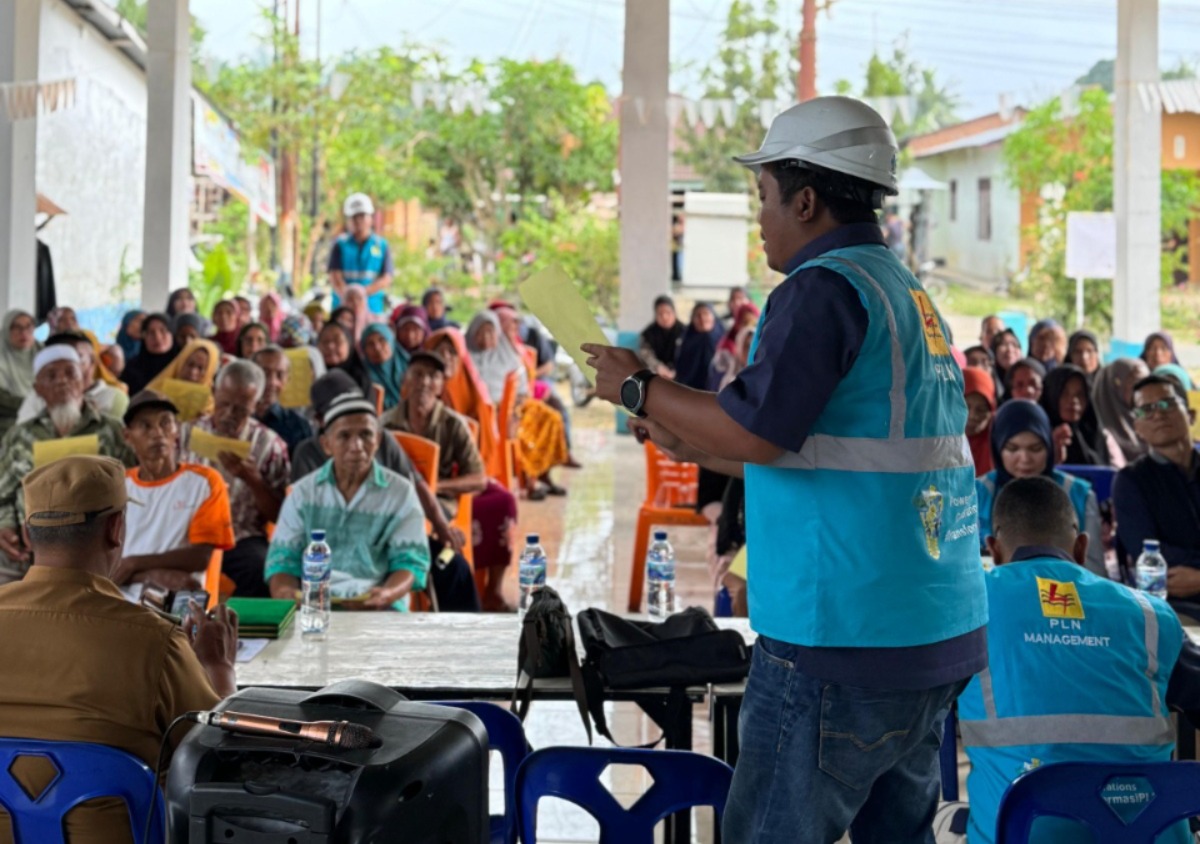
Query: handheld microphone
x=340, y=734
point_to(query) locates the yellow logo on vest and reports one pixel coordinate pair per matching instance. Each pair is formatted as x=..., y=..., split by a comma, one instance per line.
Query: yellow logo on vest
x=931, y=324
x=1059, y=599
x=930, y=505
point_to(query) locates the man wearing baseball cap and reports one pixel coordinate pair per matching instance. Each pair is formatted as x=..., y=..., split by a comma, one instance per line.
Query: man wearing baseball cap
x=58, y=381
x=865, y=586
x=80, y=662
x=360, y=256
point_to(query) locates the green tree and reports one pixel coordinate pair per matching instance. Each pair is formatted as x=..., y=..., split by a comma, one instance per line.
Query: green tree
x=1103, y=72
x=935, y=104
x=1067, y=161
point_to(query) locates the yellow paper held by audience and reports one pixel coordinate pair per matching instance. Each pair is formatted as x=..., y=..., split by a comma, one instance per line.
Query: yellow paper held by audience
x=556, y=301
x=209, y=446
x=295, y=392
x=191, y=399
x=47, y=451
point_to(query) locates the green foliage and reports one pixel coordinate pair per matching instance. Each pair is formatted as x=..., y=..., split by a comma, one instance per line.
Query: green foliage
x=754, y=62
x=1068, y=162
x=215, y=281
x=129, y=281
x=899, y=75
x=1103, y=72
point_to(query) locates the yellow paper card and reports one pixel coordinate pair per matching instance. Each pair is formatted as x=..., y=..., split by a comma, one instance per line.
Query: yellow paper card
x=209, y=446
x=48, y=451
x=191, y=399
x=556, y=301
x=1194, y=404
x=300, y=379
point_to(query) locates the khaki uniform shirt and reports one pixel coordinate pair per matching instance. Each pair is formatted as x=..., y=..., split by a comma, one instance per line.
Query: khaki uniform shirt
x=80, y=663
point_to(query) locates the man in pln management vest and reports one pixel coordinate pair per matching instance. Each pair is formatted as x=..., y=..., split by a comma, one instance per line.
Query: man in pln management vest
x=360, y=256
x=1082, y=669
x=865, y=583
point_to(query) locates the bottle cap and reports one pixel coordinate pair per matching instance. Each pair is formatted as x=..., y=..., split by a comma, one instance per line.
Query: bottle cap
x=318, y=536
x=1151, y=545
x=532, y=539
x=660, y=536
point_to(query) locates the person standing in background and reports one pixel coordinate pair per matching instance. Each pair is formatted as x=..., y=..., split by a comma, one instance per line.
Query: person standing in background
x=361, y=257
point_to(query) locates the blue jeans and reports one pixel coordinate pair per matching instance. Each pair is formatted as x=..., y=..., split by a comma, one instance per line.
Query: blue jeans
x=819, y=758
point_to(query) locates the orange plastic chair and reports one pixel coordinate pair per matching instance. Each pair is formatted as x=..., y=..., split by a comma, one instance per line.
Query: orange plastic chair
x=212, y=578
x=424, y=455
x=671, y=490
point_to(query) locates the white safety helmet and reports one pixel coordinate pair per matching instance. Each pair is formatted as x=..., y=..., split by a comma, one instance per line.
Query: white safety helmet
x=358, y=203
x=839, y=134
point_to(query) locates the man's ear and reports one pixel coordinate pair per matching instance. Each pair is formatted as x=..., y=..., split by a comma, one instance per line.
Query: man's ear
x=325, y=449
x=1079, y=551
x=114, y=529
x=994, y=549
x=806, y=205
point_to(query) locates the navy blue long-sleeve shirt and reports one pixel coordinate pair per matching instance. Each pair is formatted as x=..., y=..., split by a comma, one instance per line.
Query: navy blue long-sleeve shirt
x=1156, y=499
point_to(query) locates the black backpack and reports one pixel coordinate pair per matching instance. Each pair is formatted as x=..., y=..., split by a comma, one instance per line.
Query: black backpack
x=547, y=649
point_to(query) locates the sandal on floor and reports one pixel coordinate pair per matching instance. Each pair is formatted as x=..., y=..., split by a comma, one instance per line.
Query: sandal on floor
x=555, y=489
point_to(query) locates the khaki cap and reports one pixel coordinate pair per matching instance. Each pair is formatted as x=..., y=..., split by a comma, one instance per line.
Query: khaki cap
x=73, y=488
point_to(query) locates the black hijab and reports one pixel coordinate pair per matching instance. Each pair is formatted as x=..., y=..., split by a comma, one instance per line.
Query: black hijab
x=663, y=342
x=1089, y=446
x=145, y=366
x=1083, y=335
x=353, y=365
x=693, y=362
x=999, y=371
x=1017, y=417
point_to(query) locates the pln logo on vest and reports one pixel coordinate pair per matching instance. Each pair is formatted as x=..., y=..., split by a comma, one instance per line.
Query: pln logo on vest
x=930, y=504
x=1059, y=599
x=931, y=324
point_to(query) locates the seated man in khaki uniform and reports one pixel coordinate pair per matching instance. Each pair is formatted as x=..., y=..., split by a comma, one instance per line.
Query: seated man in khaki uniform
x=80, y=662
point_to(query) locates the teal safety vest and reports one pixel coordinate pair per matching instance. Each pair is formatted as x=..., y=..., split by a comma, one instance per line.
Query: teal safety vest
x=1077, y=489
x=363, y=263
x=866, y=536
x=1078, y=673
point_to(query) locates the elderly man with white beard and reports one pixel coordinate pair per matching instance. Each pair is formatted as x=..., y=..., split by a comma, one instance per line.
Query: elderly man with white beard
x=58, y=381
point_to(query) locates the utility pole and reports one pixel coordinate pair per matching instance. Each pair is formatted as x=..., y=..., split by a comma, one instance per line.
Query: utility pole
x=806, y=77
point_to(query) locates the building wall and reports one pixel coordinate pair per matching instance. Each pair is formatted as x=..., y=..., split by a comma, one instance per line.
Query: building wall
x=1181, y=141
x=957, y=240
x=91, y=161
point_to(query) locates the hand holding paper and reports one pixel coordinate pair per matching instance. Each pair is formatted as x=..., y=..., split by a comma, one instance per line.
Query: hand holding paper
x=555, y=300
x=300, y=379
x=210, y=446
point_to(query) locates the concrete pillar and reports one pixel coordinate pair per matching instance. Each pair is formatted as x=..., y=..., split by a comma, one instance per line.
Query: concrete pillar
x=1137, y=163
x=645, y=163
x=168, y=151
x=19, y=30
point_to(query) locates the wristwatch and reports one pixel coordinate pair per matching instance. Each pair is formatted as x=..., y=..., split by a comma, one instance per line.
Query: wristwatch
x=633, y=392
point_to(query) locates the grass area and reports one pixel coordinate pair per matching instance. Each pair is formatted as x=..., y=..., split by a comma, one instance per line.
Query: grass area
x=967, y=301
x=1181, y=313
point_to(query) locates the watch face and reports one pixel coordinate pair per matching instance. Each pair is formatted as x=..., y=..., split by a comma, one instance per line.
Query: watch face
x=631, y=394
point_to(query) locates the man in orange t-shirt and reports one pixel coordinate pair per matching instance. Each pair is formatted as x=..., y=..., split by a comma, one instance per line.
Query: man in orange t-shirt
x=185, y=511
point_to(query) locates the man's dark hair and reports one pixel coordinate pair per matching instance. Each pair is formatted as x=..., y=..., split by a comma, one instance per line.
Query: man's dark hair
x=664, y=300
x=1165, y=381
x=848, y=199
x=1035, y=511
x=64, y=536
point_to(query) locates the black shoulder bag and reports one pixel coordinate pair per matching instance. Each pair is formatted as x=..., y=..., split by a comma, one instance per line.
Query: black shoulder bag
x=547, y=649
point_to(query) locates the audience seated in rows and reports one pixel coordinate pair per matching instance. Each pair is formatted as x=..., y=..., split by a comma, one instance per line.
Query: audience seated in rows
x=980, y=393
x=258, y=483
x=369, y=513
x=58, y=381
x=289, y=424
x=83, y=664
x=1079, y=440
x=1006, y=353
x=1025, y=380
x=107, y=399
x=1112, y=395
x=1083, y=351
x=156, y=352
x=183, y=514
x=1048, y=343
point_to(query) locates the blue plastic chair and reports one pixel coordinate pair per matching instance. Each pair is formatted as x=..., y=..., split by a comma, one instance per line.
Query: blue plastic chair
x=948, y=758
x=506, y=735
x=1100, y=477
x=681, y=780
x=1073, y=790
x=85, y=772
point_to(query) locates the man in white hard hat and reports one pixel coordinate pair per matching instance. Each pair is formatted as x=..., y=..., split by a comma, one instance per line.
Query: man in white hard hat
x=865, y=585
x=360, y=256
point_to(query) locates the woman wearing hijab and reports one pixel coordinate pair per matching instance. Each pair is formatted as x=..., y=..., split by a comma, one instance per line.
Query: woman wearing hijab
x=1112, y=396
x=337, y=351
x=1026, y=380
x=225, y=321
x=1048, y=343
x=466, y=393
x=1078, y=438
x=296, y=332
x=660, y=339
x=188, y=327
x=196, y=363
x=411, y=325
x=1177, y=373
x=18, y=348
x=980, y=392
x=1006, y=353
x=1023, y=447
x=355, y=301
x=693, y=360
x=183, y=301
x=1159, y=350
x=434, y=303
x=252, y=338
x=129, y=336
x=270, y=314
x=317, y=317
x=158, y=350
x=385, y=362
x=730, y=358
x=541, y=440
x=1083, y=350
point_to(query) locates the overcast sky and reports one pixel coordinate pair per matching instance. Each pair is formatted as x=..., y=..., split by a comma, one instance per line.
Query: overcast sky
x=1028, y=49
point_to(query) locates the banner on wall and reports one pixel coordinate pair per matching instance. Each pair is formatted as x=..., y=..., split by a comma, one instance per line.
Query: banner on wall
x=218, y=153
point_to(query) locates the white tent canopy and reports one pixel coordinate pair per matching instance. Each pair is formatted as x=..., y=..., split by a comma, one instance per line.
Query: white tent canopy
x=915, y=178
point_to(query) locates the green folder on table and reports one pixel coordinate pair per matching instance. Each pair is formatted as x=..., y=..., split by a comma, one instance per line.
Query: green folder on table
x=262, y=618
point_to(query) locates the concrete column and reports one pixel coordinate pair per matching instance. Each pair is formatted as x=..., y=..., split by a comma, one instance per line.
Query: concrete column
x=19, y=31
x=1137, y=163
x=645, y=163
x=168, y=151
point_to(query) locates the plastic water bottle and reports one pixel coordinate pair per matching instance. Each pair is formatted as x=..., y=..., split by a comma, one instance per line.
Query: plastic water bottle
x=532, y=571
x=1152, y=570
x=660, y=578
x=314, y=610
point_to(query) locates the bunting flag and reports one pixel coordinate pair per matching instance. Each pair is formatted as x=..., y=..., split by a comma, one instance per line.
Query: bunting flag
x=25, y=100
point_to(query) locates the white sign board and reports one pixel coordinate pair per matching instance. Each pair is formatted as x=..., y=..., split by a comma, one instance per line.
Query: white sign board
x=1091, y=244
x=218, y=153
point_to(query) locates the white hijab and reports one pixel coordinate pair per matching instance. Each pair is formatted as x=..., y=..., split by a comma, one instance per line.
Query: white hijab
x=494, y=365
x=16, y=366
